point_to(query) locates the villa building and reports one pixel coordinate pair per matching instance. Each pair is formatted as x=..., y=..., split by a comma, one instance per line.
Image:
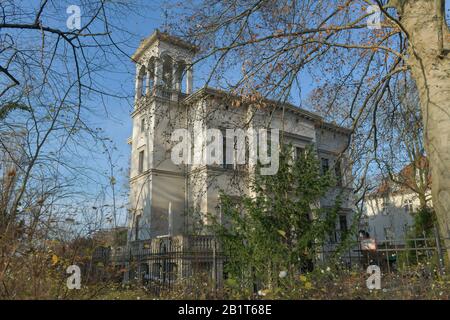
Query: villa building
x=169, y=201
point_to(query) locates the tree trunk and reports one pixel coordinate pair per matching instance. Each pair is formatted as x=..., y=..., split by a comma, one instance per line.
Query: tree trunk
x=430, y=66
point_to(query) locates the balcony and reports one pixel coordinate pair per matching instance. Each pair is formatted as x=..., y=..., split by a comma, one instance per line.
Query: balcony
x=162, y=93
x=201, y=247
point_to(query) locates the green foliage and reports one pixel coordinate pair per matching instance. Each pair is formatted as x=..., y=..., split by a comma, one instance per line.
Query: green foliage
x=272, y=236
x=424, y=220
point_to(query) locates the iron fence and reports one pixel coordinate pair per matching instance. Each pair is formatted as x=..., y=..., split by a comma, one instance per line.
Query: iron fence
x=161, y=263
x=389, y=254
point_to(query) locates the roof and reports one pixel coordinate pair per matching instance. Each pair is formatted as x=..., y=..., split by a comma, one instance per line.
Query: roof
x=406, y=177
x=316, y=118
x=163, y=36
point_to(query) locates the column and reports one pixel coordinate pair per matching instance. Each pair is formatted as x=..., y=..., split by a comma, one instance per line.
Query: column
x=158, y=72
x=157, y=80
x=189, y=79
x=138, y=82
x=175, y=77
x=175, y=81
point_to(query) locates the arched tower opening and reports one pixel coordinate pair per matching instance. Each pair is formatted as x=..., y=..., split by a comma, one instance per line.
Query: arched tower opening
x=180, y=76
x=167, y=72
x=151, y=73
x=141, y=82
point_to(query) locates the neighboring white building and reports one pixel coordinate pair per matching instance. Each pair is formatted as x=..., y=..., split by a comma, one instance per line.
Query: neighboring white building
x=389, y=210
x=166, y=198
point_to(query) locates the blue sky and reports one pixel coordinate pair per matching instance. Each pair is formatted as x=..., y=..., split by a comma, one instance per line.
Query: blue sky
x=114, y=118
x=117, y=124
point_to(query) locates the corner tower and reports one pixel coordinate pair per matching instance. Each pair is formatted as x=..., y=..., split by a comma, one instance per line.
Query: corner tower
x=164, y=76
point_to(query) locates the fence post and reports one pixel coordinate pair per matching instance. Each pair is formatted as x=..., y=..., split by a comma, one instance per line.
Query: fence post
x=439, y=250
x=387, y=256
x=214, y=264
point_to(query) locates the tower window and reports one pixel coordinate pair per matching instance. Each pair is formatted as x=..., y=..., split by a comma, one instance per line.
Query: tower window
x=143, y=84
x=141, y=162
x=143, y=125
x=167, y=72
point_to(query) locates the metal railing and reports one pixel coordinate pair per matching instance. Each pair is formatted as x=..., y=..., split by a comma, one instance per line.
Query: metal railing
x=160, y=263
x=389, y=254
x=161, y=92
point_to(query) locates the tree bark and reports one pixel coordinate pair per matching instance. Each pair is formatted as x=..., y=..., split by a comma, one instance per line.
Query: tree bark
x=429, y=60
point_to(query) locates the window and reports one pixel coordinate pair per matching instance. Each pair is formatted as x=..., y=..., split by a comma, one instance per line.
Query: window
x=259, y=142
x=167, y=72
x=144, y=84
x=141, y=162
x=224, y=150
x=408, y=206
x=343, y=223
x=143, y=125
x=325, y=165
x=226, y=165
x=299, y=153
x=338, y=172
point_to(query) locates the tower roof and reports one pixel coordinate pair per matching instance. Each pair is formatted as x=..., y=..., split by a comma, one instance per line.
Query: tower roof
x=163, y=36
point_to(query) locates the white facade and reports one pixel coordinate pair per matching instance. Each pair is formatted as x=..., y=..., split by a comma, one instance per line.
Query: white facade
x=390, y=216
x=167, y=198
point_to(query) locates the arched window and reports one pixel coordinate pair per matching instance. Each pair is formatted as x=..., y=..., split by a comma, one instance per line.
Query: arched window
x=151, y=74
x=141, y=82
x=181, y=76
x=144, y=84
x=167, y=71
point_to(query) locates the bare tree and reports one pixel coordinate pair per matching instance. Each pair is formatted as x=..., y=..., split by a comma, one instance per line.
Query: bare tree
x=358, y=48
x=54, y=58
x=402, y=157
